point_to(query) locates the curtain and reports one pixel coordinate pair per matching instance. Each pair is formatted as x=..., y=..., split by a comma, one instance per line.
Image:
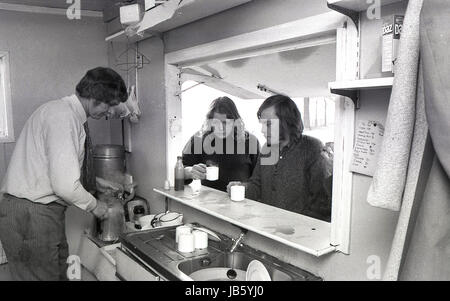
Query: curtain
x=427, y=256
x=421, y=244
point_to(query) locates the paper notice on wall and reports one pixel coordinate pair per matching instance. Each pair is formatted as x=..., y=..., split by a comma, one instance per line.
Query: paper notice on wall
x=368, y=138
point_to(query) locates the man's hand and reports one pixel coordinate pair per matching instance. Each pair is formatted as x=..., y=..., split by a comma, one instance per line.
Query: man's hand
x=232, y=184
x=101, y=210
x=196, y=172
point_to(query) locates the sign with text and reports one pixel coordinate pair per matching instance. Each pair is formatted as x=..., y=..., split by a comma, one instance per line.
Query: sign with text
x=368, y=138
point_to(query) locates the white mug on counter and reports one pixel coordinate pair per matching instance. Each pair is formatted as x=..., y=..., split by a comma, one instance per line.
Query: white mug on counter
x=200, y=239
x=182, y=230
x=186, y=243
x=237, y=193
x=212, y=173
x=196, y=186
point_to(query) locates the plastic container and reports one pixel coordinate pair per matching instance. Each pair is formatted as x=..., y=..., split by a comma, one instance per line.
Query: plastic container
x=113, y=226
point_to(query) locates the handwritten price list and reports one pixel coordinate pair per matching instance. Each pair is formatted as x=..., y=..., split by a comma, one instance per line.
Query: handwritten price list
x=368, y=139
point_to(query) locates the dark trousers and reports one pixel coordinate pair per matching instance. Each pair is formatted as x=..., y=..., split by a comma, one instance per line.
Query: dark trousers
x=34, y=239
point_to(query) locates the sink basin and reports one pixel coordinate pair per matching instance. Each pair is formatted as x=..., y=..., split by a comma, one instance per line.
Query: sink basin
x=222, y=265
x=218, y=274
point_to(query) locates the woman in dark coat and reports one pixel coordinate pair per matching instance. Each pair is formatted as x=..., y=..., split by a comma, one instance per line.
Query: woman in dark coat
x=223, y=142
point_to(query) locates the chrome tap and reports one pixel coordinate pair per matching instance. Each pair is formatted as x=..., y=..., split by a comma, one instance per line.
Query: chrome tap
x=237, y=241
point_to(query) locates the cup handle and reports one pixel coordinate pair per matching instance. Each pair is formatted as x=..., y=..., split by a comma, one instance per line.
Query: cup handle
x=154, y=221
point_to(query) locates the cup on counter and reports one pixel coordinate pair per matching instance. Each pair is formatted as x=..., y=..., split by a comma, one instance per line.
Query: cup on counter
x=167, y=185
x=181, y=230
x=200, y=239
x=237, y=193
x=212, y=173
x=186, y=243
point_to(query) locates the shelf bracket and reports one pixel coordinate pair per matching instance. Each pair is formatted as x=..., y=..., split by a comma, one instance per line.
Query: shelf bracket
x=352, y=94
x=166, y=204
x=354, y=15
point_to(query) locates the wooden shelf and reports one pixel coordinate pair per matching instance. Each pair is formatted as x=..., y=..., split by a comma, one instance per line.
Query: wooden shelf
x=121, y=37
x=358, y=5
x=300, y=232
x=172, y=14
x=351, y=88
x=362, y=84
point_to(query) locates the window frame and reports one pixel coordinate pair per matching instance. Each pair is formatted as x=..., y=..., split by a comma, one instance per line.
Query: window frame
x=311, y=31
x=5, y=71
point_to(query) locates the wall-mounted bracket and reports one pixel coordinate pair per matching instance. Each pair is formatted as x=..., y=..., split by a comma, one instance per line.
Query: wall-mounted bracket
x=352, y=94
x=354, y=15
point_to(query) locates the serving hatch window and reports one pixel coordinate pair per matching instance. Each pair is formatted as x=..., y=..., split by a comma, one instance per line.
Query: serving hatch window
x=318, y=113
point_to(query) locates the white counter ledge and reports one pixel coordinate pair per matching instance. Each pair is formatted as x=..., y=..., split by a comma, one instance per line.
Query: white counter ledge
x=298, y=231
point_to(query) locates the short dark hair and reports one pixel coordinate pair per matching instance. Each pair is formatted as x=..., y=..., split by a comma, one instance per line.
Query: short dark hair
x=104, y=85
x=291, y=123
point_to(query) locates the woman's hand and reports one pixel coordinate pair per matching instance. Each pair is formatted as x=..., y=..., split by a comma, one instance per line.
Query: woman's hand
x=196, y=172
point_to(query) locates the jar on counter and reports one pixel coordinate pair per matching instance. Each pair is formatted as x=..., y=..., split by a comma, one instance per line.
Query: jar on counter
x=113, y=226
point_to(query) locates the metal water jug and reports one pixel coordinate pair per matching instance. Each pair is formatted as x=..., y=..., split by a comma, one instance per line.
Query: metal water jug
x=109, y=162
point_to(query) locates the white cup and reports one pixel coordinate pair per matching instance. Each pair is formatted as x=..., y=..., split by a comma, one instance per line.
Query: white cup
x=186, y=243
x=212, y=173
x=167, y=185
x=200, y=239
x=182, y=230
x=146, y=220
x=237, y=193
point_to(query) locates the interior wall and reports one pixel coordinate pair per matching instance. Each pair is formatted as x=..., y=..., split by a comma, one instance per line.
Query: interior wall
x=49, y=54
x=372, y=228
x=147, y=160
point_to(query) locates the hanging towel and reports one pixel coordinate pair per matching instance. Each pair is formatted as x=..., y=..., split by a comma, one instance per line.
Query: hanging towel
x=417, y=167
x=388, y=184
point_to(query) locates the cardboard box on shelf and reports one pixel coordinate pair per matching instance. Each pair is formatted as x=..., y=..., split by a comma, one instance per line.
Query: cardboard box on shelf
x=392, y=29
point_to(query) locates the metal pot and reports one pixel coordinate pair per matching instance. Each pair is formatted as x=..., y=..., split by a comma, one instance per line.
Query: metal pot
x=109, y=162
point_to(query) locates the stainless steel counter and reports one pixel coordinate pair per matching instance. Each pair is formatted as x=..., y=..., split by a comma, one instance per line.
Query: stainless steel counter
x=156, y=248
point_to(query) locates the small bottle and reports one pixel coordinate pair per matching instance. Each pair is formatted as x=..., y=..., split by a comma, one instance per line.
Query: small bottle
x=179, y=174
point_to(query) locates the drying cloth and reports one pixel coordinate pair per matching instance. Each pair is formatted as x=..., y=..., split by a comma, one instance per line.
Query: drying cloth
x=417, y=165
x=389, y=180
